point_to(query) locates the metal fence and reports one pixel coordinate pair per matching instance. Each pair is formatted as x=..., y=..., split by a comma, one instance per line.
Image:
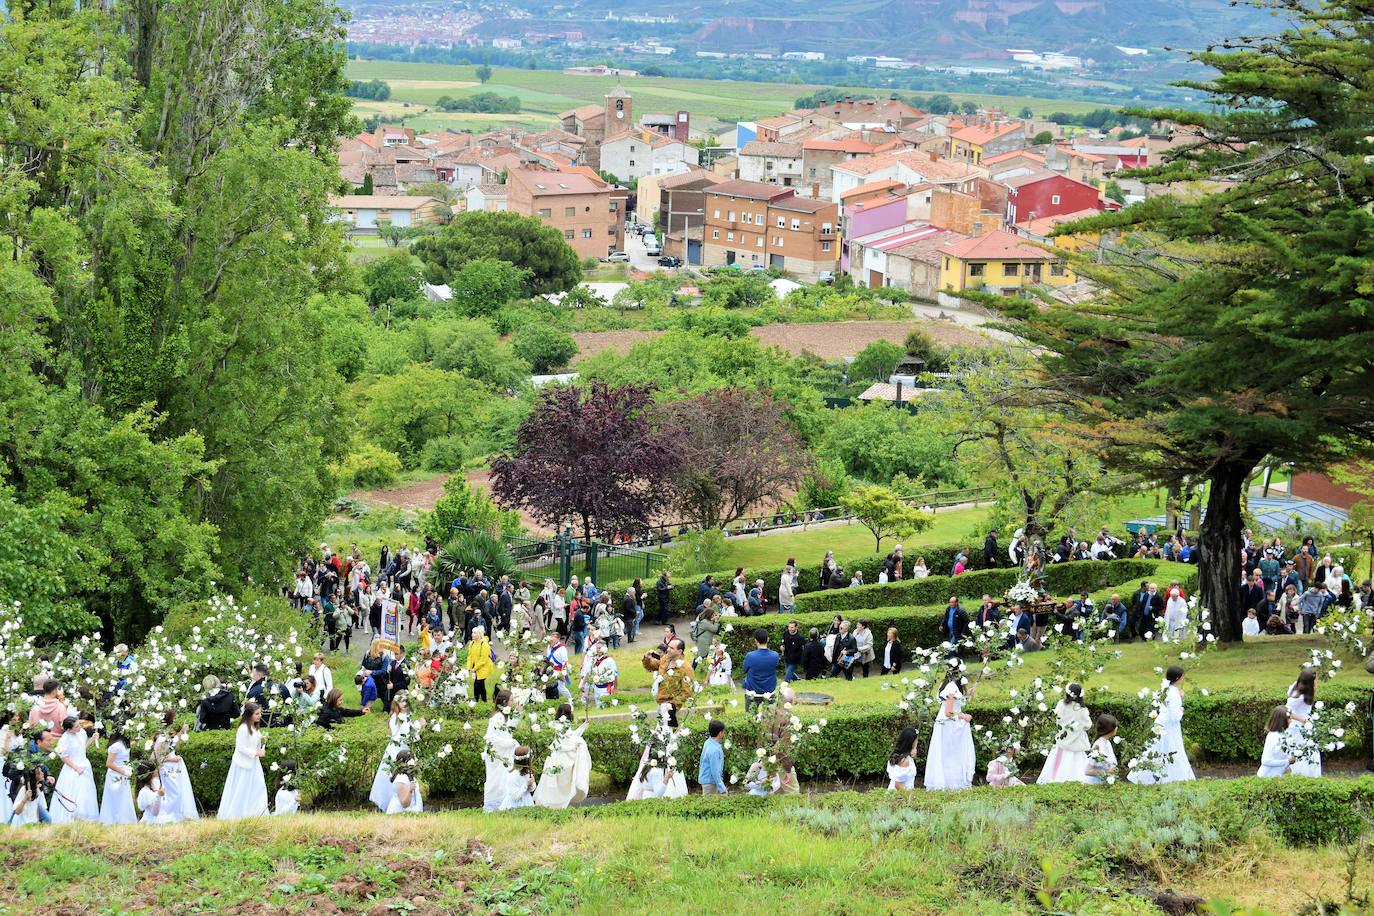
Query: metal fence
x=561, y=558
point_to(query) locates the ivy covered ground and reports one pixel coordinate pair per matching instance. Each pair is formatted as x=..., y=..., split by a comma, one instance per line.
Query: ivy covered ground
x=1264, y=846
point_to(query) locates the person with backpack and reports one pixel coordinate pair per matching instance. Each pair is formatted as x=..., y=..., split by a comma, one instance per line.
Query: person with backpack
x=704, y=629
x=577, y=627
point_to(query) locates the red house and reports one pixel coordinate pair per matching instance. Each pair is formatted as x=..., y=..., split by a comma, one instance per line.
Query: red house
x=1044, y=193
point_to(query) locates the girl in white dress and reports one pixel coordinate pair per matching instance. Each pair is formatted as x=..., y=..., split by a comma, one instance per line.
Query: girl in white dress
x=1001, y=768
x=405, y=788
x=950, y=762
x=176, y=779
x=655, y=782
x=288, y=798
x=519, y=792
x=9, y=737
x=1069, y=758
x=1301, y=697
x=720, y=670
x=245, y=789
x=74, y=797
x=152, y=800
x=568, y=768
x=1175, y=614
x=382, y=789
x=117, y=805
x=498, y=751
x=901, y=766
x=1169, y=719
x=1102, y=757
x=1275, y=761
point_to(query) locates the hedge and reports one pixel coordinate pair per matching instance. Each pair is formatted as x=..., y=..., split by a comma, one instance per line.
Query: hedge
x=1060, y=579
x=683, y=598
x=1225, y=726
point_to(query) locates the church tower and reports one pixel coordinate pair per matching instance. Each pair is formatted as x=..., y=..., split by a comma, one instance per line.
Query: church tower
x=619, y=111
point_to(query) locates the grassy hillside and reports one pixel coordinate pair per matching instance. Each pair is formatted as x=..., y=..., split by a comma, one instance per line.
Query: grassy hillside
x=544, y=93
x=1060, y=849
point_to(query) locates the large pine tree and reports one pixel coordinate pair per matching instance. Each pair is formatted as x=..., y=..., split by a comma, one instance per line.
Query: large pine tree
x=1235, y=319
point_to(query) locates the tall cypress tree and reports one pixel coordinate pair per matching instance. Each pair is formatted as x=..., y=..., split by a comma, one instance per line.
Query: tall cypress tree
x=1235, y=325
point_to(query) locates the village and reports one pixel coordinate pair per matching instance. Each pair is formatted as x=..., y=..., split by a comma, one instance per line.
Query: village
x=869, y=188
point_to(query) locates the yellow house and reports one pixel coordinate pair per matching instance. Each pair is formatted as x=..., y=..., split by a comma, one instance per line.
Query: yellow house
x=974, y=144
x=999, y=262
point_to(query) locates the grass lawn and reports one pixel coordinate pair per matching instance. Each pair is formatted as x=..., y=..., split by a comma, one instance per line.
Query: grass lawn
x=981, y=852
x=544, y=93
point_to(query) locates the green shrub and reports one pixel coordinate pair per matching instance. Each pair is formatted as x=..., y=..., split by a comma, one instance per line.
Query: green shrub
x=545, y=348
x=369, y=466
x=446, y=453
x=469, y=550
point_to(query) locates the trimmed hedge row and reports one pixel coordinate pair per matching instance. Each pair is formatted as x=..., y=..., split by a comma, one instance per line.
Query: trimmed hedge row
x=1225, y=726
x=683, y=598
x=1060, y=579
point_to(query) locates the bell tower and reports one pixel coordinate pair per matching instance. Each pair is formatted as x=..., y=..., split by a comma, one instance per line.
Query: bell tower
x=619, y=111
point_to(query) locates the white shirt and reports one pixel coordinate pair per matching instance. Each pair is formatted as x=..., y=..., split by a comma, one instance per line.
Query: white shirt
x=324, y=680
x=1250, y=627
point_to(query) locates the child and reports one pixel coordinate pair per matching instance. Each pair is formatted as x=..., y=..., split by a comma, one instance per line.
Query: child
x=1102, y=757
x=117, y=807
x=1001, y=768
x=1251, y=625
x=1302, y=698
x=367, y=690
x=520, y=788
x=1070, y=755
x=288, y=800
x=718, y=674
x=405, y=796
x=151, y=798
x=901, y=765
x=1275, y=761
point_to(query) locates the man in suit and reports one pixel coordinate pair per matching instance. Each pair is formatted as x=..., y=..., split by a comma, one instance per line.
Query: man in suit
x=991, y=551
x=263, y=691
x=1147, y=605
x=954, y=626
x=1252, y=592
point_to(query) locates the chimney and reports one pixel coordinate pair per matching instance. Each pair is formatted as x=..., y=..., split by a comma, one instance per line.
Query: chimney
x=934, y=156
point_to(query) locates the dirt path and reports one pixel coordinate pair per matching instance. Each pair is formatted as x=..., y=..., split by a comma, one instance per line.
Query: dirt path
x=828, y=340
x=421, y=496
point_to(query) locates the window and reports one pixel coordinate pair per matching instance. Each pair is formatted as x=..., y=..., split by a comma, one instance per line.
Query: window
x=812, y=172
x=1054, y=199
x=796, y=224
x=715, y=233
x=748, y=217
x=781, y=222
x=568, y=234
x=729, y=236
x=946, y=263
x=825, y=246
x=1056, y=269
x=758, y=242
x=758, y=218
x=768, y=165
x=975, y=270
x=716, y=214
x=732, y=216
x=569, y=211
x=777, y=240
x=586, y=233
x=545, y=212
x=825, y=229
x=632, y=149
x=754, y=256
x=632, y=162
x=1010, y=270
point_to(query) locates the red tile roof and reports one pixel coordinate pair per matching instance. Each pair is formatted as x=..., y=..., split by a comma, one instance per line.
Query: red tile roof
x=980, y=135
x=753, y=190
x=996, y=246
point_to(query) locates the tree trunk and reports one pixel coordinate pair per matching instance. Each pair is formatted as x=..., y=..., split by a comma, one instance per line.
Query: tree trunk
x=1219, y=569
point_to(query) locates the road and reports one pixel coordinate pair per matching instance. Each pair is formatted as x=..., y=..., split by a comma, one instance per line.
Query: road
x=640, y=259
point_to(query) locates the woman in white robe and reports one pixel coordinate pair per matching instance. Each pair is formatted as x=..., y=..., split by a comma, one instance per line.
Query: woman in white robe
x=568, y=768
x=176, y=779
x=1302, y=696
x=117, y=804
x=245, y=789
x=74, y=796
x=1068, y=761
x=400, y=725
x=1169, y=739
x=498, y=752
x=950, y=762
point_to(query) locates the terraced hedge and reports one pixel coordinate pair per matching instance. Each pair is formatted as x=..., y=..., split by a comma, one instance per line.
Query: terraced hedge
x=1223, y=727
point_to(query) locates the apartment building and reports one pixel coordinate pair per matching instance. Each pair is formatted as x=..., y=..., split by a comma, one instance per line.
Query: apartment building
x=752, y=223
x=589, y=212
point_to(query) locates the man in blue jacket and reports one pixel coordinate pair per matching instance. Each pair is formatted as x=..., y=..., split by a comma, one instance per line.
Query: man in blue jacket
x=760, y=671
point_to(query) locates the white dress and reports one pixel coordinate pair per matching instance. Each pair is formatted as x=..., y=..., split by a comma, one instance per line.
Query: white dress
x=1170, y=720
x=516, y=793
x=1310, y=762
x=6, y=796
x=720, y=672
x=1274, y=760
x=288, y=801
x=950, y=761
x=74, y=797
x=245, y=789
x=154, y=807
x=1069, y=759
x=653, y=785
x=117, y=805
x=1104, y=755
x=382, y=790
x=567, y=771
x=394, y=806
x=498, y=752
x=180, y=802
x=901, y=777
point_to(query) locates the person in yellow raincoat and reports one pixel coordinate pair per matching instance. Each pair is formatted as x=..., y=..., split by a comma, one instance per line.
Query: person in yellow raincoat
x=480, y=662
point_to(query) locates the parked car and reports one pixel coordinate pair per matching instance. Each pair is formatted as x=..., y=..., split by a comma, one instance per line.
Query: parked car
x=761, y=268
x=826, y=276
x=617, y=257
x=651, y=247
x=669, y=261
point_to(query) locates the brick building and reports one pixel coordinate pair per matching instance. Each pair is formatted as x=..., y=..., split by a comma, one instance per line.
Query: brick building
x=589, y=212
x=752, y=223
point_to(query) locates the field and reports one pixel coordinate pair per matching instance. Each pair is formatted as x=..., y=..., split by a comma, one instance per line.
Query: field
x=544, y=93
x=1037, y=849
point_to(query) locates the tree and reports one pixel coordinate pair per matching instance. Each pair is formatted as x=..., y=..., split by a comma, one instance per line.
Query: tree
x=1162, y=368
x=940, y=104
x=470, y=347
x=883, y=513
x=1114, y=192
x=464, y=506
x=737, y=291
x=1026, y=113
x=876, y=362
x=544, y=348
x=484, y=74
x=923, y=347
x=393, y=278
x=739, y=451
x=482, y=286
x=877, y=442
x=591, y=453
x=405, y=411
x=1044, y=138
x=968, y=108
x=522, y=241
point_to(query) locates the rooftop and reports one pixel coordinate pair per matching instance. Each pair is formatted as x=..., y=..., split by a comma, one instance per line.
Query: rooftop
x=1013, y=154
x=996, y=246
x=540, y=182
x=980, y=135
x=752, y=190
x=801, y=204
x=1045, y=224
x=780, y=149
x=379, y=201
x=871, y=188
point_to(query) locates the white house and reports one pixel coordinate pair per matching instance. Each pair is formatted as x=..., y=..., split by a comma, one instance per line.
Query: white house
x=775, y=163
x=634, y=154
x=489, y=197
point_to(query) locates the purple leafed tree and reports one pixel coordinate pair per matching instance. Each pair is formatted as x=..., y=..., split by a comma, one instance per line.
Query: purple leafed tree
x=592, y=453
x=739, y=450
